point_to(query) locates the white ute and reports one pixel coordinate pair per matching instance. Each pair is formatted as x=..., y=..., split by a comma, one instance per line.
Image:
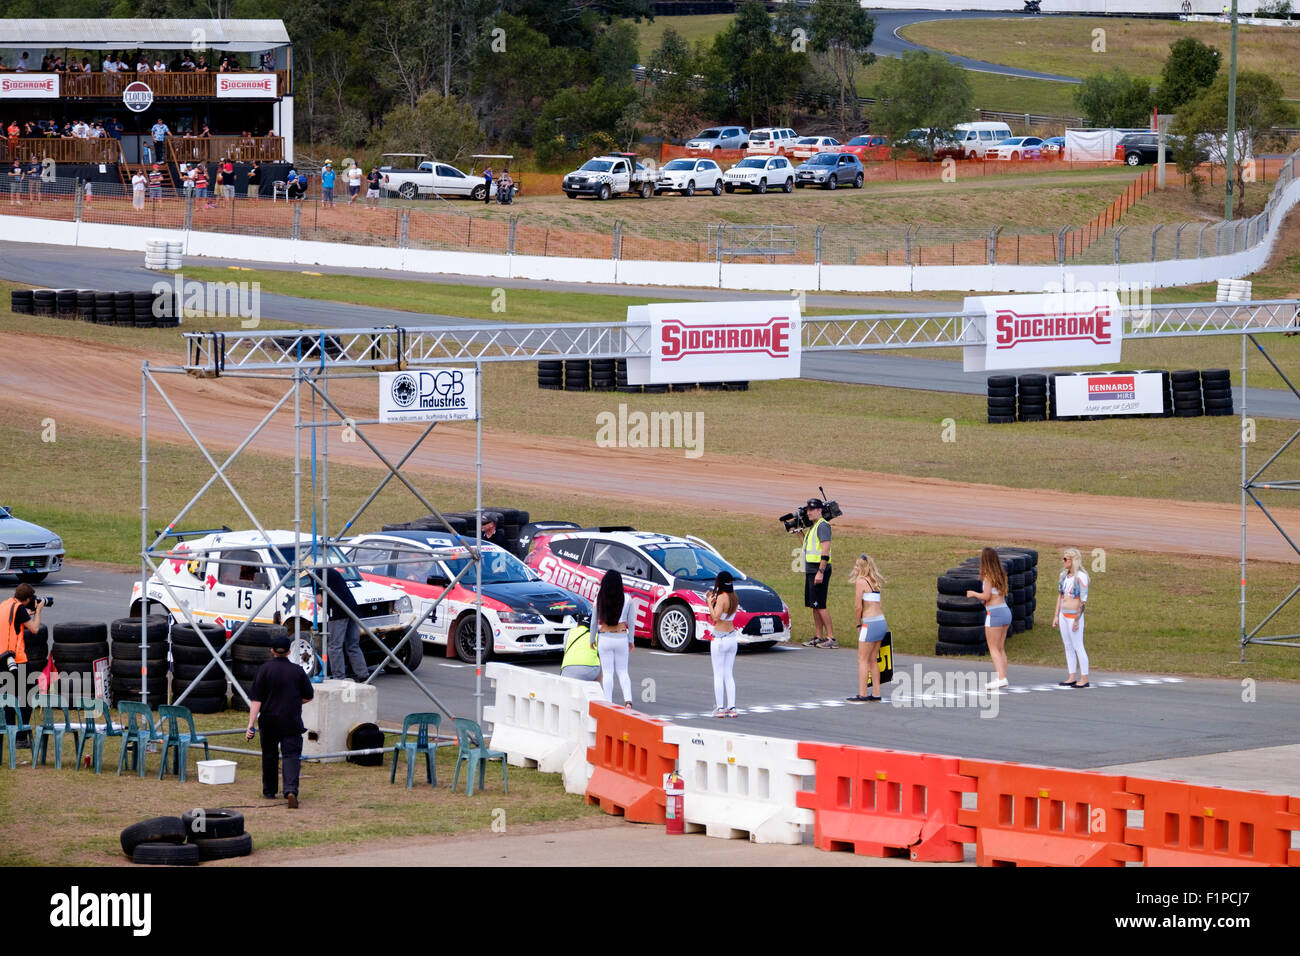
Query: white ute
x=610, y=175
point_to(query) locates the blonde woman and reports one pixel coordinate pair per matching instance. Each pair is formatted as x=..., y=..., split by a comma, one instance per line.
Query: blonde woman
x=867, y=581
x=1071, y=599
x=997, y=616
x=725, y=643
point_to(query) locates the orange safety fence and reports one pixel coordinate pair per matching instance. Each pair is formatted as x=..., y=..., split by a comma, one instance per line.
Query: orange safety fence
x=1044, y=816
x=629, y=761
x=886, y=802
x=1189, y=825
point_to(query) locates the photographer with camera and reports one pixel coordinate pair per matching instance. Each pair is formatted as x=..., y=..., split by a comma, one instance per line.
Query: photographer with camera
x=817, y=573
x=20, y=613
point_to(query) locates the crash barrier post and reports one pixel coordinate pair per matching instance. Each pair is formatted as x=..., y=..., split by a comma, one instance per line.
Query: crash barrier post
x=1043, y=816
x=1187, y=825
x=543, y=721
x=887, y=802
x=629, y=762
x=741, y=785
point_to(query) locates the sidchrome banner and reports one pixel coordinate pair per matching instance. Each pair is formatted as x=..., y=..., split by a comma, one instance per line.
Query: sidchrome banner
x=246, y=85
x=1043, y=331
x=717, y=342
x=1101, y=393
x=29, y=86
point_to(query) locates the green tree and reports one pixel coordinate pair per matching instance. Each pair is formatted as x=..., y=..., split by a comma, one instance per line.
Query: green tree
x=1202, y=124
x=438, y=125
x=677, y=97
x=758, y=67
x=514, y=78
x=840, y=32
x=1114, y=99
x=1190, y=68
x=577, y=115
x=922, y=90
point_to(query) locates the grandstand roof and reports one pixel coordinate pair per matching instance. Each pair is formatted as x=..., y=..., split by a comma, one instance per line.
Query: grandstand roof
x=235, y=36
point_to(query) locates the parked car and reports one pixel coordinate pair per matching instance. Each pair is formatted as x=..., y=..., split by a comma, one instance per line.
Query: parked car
x=665, y=577
x=720, y=137
x=606, y=176
x=522, y=614
x=1017, y=148
x=688, y=176
x=830, y=170
x=229, y=577
x=1054, y=147
x=27, y=549
x=430, y=178
x=974, y=140
x=917, y=143
x=772, y=141
x=809, y=146
x=1138, y=149
x=867, y=147
x=758, y=173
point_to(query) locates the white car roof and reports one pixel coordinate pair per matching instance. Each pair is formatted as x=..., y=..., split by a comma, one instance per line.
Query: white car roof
x=228, y=540
x=632, y=539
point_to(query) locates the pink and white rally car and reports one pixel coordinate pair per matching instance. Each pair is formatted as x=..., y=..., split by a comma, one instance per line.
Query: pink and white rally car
x=666, y=578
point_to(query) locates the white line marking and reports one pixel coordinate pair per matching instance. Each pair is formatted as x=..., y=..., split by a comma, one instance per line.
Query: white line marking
x=1016, y=690
x=809, y=705
x=783, y=706
x=834, y=703
x=1101, y=683
x=664, y=654
x=443, y=664
x=1128, y=683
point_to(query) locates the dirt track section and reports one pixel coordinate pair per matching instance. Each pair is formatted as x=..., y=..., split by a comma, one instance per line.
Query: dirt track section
x=223, y=412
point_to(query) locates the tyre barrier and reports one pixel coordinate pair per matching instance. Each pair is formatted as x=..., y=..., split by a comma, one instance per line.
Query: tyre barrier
x=162, y=253
x=629, y=760
x=187, y=840
x=738, y=785
x=1188, y=393
x=961, y=619
x=543, y=721
x=610, y=375
x=140, y=310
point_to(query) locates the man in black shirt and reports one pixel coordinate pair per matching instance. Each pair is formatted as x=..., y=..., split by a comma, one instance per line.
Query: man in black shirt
x=279, y=691
x=344, y=647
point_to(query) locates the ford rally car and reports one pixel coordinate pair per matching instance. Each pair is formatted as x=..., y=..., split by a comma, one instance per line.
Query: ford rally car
x=521, y=613
x=666, y=578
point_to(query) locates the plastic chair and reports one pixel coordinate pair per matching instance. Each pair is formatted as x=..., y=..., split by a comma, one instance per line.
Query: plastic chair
x=88, y=709
x=177, y=741
x=9, y=732
x=469, y=739
x=47, y=728
x=278, y=189
x=424, y=743
x=138, y=731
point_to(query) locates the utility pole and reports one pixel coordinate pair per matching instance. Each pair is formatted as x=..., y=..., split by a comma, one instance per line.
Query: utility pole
x=1230, y=167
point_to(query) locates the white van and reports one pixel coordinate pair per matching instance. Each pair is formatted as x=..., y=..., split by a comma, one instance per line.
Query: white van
x=976, y=139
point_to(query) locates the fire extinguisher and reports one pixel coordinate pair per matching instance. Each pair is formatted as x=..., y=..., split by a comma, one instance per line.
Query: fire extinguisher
x=675, y=791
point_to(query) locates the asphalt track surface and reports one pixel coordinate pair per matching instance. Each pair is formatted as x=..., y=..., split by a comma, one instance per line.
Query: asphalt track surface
x=43, y=265
x=798, y=693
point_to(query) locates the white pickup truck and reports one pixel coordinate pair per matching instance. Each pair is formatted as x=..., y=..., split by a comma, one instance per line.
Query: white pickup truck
x=610, y=175
x=429, y=178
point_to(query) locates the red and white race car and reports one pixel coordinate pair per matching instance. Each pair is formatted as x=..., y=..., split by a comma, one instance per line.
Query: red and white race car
x=665, y=577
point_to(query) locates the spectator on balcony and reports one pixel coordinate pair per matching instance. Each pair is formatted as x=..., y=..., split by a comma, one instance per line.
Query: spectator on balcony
x=85, y=65
x=23, y=64
x=159, y=66
x=187, y=64
x=79, y=130
x=224, y=66
x=268, y=61
x=110, y=63
x=113, y=128
x=159, y=132
x=13, y=132
x=204, y=132
x=142, y=66
x=202, y=65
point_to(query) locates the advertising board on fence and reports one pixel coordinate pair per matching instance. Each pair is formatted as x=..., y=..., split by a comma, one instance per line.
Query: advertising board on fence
x=1100, y=393
x=1043, y=331
x=718, y=342
x=428, y=395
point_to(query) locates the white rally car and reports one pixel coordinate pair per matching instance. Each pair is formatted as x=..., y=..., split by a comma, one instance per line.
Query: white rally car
x=759, y=173
x=665, y=577
x=228, y=577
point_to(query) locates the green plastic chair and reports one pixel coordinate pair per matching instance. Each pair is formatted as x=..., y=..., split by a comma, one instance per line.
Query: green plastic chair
x=49, y=705
x=177, y=742
x=138, y=731
x=9, y=732
x=88, y=710
x=469, y=740
x=424, y=743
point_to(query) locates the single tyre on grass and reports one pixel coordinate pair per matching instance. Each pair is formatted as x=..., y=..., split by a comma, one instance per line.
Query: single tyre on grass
x=225, y=848
x=169, y=830
x=212, y=824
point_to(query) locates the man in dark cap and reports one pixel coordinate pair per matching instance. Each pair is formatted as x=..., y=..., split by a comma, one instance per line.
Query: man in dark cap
x=817, y=573
x=279, y=691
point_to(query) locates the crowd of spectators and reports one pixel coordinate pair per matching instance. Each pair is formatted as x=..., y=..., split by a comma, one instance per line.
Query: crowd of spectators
x=141, y=62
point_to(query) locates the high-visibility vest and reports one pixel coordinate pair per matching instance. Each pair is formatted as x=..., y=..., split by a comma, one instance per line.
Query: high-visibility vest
x=11, y=635
x=812, y=548
x=578, y=651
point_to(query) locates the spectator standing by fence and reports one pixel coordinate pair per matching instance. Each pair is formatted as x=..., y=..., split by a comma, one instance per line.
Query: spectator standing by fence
x=327, y=184
x=16, y=184
x=354, y=183
x=137, y=190
x=372, y=187
x=34, y=170
x=155, y=182
x=254, y=180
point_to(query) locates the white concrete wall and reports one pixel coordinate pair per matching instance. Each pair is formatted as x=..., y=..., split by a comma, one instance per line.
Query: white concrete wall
x=1213, y=7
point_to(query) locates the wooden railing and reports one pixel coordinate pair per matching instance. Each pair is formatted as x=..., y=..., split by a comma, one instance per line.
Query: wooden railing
x=62, y=150
x=164, y=85
x=207, y=149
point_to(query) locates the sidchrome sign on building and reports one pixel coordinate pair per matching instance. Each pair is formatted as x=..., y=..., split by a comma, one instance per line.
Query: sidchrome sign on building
x=29, y=86
x=1043, y=331
x=245, y=86
x=717, y=342
x=1099, y=393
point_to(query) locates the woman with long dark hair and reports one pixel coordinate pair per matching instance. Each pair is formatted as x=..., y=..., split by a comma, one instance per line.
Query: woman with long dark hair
x=615, y=630
x=997, y=616
x=725, y=642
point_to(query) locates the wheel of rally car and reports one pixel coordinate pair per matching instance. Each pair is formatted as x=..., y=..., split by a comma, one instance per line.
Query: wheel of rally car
x=465, y=644
x=675, y=628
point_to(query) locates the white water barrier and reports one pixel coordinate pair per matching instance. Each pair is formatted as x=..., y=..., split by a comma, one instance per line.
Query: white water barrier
x=543, y=720
x=740, y=786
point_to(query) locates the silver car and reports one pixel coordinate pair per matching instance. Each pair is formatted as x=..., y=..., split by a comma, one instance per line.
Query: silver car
x=720, y=137
x=27, y=549
x=830, y=170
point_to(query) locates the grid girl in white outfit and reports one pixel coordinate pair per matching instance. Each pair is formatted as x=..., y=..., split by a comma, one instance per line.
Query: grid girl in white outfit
x=725, y=643
x=616, y=631
x=1071, y=600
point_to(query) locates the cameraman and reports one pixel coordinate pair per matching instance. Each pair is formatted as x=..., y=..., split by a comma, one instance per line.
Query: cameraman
x=817, y=573
x=20, y=612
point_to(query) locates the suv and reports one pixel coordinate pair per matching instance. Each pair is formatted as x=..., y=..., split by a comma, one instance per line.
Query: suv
x=225, y=578
x=772, y=141
x=720, y=137
x=757, y=173
x=665, y=577
x=522, y=614
x=830, y=170
x=1138, y=149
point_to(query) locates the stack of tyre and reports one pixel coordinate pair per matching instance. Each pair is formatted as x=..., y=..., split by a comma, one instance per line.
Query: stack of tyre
x=577, y=375
x=1216, y=391
x=1002, y=399
x=205, y=695
x=126, y=669
x=961, y=619
x=550, y=375
x=75, y=648
x=620, y=378
x=127, y=309
x=1010, y=399
x=187, y=840
x=22, y=301
x=509, y=521
x=37, y=647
